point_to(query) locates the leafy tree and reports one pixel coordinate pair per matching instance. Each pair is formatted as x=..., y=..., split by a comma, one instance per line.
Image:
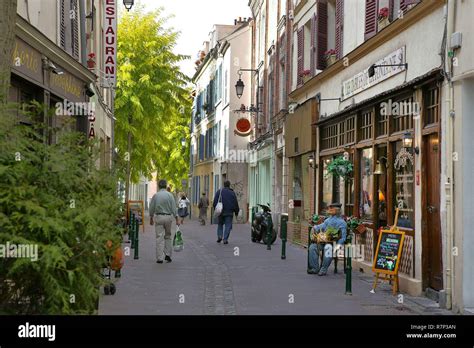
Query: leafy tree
x=7, y=40
x=53, y=197
x=152, y=101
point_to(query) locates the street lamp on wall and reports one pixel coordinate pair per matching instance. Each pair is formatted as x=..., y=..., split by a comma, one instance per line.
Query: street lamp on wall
x=408, y=142
x=312, y=162
x=128, y=4
x=239, y=86
x=371, y=70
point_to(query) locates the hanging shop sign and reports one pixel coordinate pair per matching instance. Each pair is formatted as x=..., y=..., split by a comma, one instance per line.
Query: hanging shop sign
x=362, y=81
x=242, y=127
x=110, y=42
x=91, y=129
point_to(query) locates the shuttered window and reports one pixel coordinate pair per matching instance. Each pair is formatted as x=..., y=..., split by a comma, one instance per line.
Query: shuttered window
x=371, y=7
x=75, y=29
x=201, y=147
x=322, y=33
x=62, y=23
x=69, y=27
x=405, y=5
x=313, y=45
x=339, y=28
x=300, y=70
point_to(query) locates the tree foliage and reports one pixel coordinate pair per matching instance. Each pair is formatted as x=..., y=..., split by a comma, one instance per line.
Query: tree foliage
x=52, y=196
x=152, y=101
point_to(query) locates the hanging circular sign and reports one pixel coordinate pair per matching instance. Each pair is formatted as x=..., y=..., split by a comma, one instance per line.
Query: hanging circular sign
x=242, y=127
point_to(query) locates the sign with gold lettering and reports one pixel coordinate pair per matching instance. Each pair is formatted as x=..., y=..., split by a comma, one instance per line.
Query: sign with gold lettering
x=27, y=60
x=68, y=86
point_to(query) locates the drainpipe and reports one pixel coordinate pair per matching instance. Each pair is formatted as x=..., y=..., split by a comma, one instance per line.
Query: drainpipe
x=449, y=92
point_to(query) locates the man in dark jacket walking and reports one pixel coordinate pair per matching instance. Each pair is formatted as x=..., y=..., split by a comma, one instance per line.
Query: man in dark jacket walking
x=230, y=207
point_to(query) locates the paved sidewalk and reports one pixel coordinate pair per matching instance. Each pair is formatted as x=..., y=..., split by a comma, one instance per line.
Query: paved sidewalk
x=242, y=278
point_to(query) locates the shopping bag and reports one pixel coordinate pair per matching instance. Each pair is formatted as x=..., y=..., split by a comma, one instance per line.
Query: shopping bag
x=178, y=243
x=219, y=205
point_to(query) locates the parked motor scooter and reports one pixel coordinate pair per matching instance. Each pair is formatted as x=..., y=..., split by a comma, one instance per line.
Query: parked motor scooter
x=262, y=222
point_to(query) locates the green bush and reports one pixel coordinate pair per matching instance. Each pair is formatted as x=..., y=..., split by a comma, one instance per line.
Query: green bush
x=53, y=196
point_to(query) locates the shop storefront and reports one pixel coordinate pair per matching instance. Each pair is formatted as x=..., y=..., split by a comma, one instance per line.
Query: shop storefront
x=299, y=147
x=43, y=72
x=392, y=140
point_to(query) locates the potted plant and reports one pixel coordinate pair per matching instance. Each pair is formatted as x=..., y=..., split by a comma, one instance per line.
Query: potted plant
x=91, y=60
x=383, y=20
x=305, y=75
x=355, y=225
x=330, y=56
x=340, y=167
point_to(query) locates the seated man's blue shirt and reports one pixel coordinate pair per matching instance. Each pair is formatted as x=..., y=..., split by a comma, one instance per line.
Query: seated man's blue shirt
x=335, y=222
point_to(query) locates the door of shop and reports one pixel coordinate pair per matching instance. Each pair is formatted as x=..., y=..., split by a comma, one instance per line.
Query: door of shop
x=432, y=259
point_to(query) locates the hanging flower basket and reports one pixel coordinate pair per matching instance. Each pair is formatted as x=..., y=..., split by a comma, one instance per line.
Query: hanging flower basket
x=340, y=167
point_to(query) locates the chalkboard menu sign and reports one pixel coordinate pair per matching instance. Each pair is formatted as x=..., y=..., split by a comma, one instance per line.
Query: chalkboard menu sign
x=389, y=249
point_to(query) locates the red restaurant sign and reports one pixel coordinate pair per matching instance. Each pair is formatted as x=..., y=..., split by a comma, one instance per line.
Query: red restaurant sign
x=110, y=40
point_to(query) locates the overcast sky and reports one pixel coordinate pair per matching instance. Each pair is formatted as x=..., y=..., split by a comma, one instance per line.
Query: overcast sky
x=195, y=18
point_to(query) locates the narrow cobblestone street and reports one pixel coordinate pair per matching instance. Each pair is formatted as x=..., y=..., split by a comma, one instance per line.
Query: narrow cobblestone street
x=208, y=278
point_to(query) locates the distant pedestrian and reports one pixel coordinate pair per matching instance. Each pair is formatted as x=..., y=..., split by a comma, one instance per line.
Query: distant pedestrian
x=162, y=211
x=230, y=207
x=203, y=205
x=183, y=206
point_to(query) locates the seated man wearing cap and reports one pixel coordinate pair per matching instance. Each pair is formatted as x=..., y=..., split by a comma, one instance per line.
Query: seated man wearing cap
x=336, y=221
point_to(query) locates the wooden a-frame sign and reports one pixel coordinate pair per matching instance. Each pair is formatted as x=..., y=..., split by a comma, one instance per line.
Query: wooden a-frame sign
x=387, y=255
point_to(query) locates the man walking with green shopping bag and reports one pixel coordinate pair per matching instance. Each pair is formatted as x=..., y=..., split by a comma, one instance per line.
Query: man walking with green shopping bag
x=162, y=211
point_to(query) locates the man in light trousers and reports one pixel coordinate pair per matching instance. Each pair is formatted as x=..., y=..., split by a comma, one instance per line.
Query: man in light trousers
x=162, y=212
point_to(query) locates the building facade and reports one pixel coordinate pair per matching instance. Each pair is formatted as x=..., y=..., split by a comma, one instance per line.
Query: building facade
x=378, y=102
x=49, y=65
x=218, y=149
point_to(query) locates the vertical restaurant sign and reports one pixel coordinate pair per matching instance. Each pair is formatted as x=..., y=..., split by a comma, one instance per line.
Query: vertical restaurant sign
x=110, y=43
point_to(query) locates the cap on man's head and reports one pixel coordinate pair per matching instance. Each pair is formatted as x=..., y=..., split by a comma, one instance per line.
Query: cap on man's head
x=335, y=205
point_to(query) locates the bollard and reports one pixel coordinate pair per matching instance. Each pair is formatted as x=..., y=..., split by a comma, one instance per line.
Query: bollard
x=349, y=266
x=131, y=233
x=269, y=236
x=309, y=244
x=137, y=230
x=129, y=226
x=283, y=234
